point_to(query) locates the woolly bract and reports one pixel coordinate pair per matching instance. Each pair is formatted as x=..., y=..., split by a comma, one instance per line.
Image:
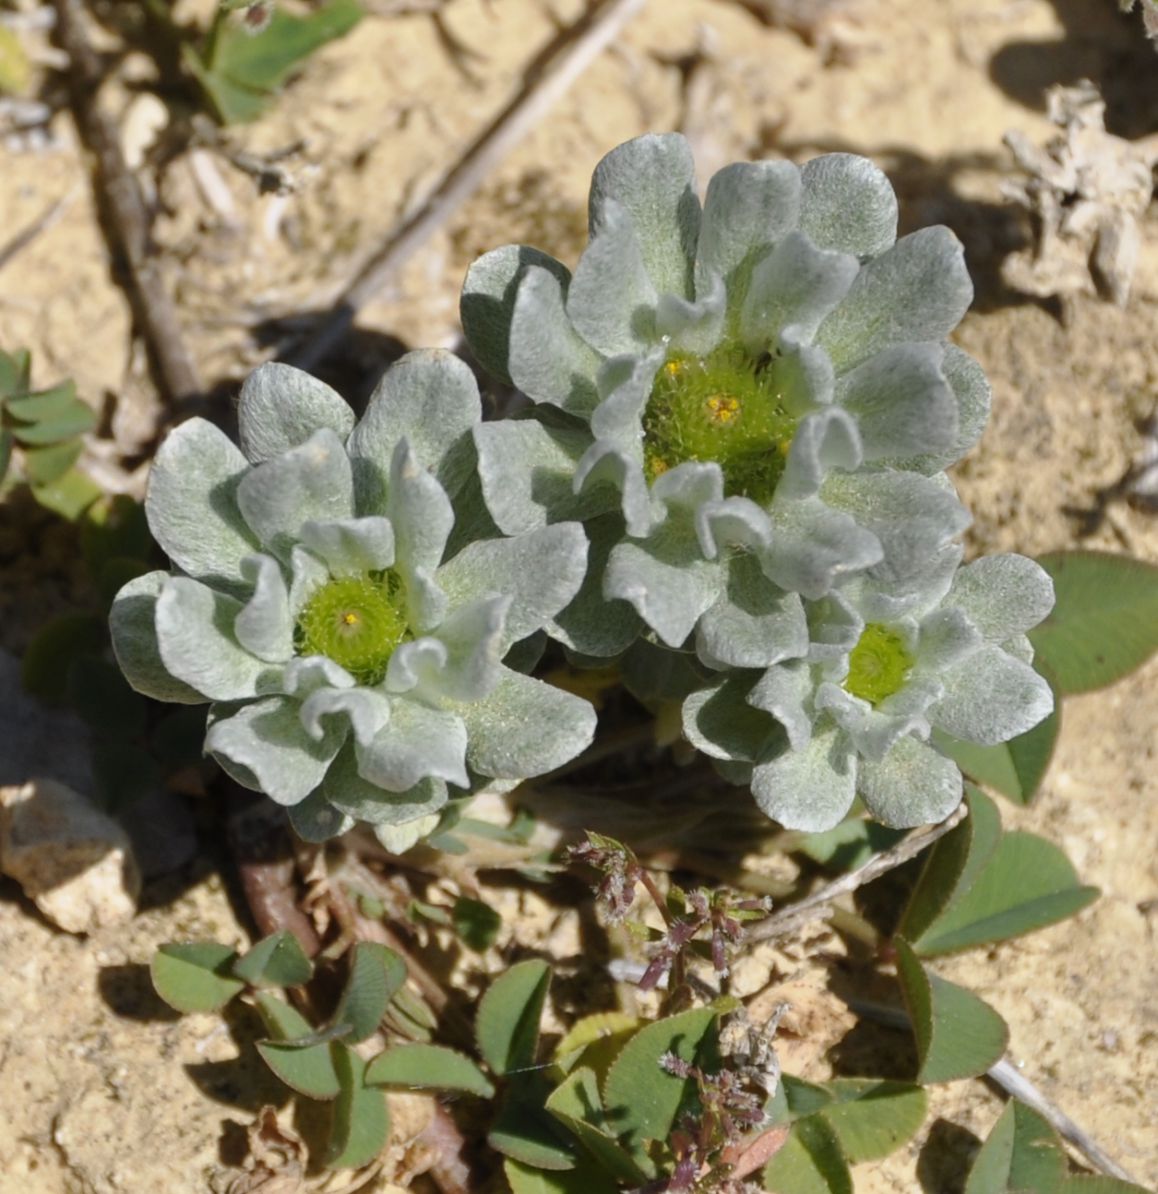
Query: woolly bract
x=881, y=672
x=354, y=665
x=707, y=378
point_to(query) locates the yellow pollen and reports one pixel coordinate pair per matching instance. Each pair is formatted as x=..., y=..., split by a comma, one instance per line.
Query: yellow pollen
x=350, y=618
x=723, y=408
x=673, y=368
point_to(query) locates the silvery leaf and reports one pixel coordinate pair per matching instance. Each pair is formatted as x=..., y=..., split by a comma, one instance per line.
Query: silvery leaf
x=652, y=179
x=749, y=207
x=991, y=697
x=813, y=546
x=191, y=504
x=430, y=399
x=665, y=578
x=793, y=289
x=1003, y=595
x=197, y=645
x=132, y=622
x=262, y=746
x=611, y=300
x=972, y=396
x=327, y=710
x=281, y=407
x=316, y=820
x=422, y=518
x=527, y=472
x=902, y=401
x=417, y=743
x=809, y=789
x=785, y=692
x=487, y=305
x=912, y=785
x=349, y=793
x=264, y=627
x=540, y=571
x=351, y=546
x=311, y=482
x=917, y=290
x=719, y=721
x=591, y=624
x=548, y=360
x=753, y=623
x=525, y=728
x=847, y=204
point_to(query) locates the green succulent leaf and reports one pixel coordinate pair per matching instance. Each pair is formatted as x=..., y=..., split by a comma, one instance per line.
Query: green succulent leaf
x=642, y=1099
x=276, y=961
x=361, y=1120
x=981, y=886
x=308, y=1069
x=810, y=1162
x=1105, y=620
x=428, y=1067
x=958, y=1034
x=507, y=1025
x=195, y=976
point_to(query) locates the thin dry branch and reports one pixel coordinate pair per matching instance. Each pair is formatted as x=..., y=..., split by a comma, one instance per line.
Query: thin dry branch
x=568, y=57
x=126, y=215
x=14, y=247
x=879, y=864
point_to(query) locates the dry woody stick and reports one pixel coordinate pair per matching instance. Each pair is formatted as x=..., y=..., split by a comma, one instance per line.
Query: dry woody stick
x=573, y=52
x=126, y=216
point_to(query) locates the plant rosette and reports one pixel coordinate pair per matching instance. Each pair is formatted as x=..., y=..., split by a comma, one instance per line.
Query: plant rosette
x=853, y=716
x=354, y=672
x=710, y=375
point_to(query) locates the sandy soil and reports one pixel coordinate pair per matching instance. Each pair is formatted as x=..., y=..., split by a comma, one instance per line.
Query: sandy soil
x=103, y=1090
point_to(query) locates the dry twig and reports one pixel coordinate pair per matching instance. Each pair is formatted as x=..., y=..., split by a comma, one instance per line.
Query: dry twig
x=795, y=914
x=126, y=215
x=38, y=227
x=570, y=56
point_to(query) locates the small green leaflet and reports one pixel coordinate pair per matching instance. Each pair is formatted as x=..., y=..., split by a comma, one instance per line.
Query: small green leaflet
x=1104, y=623
x=958, y=1034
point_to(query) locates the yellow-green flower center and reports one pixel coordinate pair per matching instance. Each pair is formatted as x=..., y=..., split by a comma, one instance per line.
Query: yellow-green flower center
x=357, y=621
x=879, y=664
x=725, y=407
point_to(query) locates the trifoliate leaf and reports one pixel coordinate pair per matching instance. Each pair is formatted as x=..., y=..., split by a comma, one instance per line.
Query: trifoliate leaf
x=195, y=977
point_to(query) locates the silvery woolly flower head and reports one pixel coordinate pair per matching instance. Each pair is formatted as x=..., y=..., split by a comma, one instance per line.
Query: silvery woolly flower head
x=709, y=375
x=354, y=671
x=855, y=714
